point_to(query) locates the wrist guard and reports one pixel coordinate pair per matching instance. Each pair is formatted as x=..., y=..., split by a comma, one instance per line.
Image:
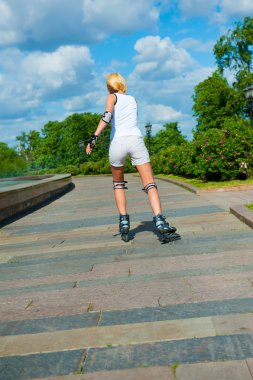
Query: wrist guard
x=92, y=141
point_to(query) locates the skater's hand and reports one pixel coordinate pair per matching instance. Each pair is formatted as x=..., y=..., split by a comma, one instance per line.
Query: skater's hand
x=88, y=149
x=92, y=141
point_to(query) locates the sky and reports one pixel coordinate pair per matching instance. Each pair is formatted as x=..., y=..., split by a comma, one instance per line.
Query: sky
x=55, y=56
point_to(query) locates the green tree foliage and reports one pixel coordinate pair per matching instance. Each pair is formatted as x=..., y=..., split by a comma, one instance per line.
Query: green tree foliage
x=232, y=51
x=27, y=145
x=215, y=101
x=167, y=136
x=11, y=164
x=57, y=145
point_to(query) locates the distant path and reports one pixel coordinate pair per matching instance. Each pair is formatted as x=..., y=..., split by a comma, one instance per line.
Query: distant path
x=76, y=299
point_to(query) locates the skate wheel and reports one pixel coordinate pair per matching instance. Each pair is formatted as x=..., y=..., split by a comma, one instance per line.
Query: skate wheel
x=167, y=238
x=125, y=237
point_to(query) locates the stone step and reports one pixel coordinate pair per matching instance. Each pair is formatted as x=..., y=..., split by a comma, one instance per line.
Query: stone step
x=126, y=335
x=130, y=270
x=149, y=292
x=129, y=316
x=96, y=361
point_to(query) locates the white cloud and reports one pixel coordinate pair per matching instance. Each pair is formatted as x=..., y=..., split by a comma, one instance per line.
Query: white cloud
x=236, y=8
x=65, y=66
x=160, y=113
x=196, y=45
x=88, y=102
x=52, y=23
x=118, y=16
x=230, y=9
x=28, y=79
x=39, y=22
x=218, y=11
x=7, y=34
x=160, y=59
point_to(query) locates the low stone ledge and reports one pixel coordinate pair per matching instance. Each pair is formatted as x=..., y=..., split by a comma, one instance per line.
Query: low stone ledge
x=243, y=213
x=29, y=177
x=21, y=197
x=186, y=186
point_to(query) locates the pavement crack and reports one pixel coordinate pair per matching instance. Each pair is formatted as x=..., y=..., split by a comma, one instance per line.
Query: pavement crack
x=249, y=368
x=80, y=368
x=75, y=284
x=92, y=267
x=100, y=317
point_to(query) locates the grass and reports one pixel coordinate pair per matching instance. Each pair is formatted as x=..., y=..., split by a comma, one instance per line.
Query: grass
x=201, y=184
x=174, y=370
x=90, y=307
x=250, y=206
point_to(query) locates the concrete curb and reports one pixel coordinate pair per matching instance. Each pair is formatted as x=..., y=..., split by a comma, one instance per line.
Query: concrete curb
x=186, y=186
x=20, y=198
x=243, y=213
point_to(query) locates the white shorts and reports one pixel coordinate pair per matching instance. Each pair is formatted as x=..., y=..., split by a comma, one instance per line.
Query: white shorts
x=124, y=146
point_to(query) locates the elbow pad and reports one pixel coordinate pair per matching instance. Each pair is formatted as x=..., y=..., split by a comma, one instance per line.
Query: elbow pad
x=107, y=116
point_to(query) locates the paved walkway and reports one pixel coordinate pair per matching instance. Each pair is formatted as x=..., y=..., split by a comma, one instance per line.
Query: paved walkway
x=77, y=303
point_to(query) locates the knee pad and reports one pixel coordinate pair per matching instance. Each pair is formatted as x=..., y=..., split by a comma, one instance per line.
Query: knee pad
x=119, y=185
x=148, y=187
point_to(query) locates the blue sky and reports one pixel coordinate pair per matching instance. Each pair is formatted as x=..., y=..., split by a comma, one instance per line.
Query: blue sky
x=56, y=54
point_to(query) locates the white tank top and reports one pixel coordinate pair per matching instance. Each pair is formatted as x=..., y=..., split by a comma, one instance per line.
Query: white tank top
x=124, y=117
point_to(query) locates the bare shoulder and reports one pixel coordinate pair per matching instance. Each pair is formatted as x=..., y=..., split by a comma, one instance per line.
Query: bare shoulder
x=111, y=97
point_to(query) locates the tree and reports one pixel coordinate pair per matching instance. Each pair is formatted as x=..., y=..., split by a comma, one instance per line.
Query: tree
x=56, y=145
x=215, y=101
x=232, y=51
x=11, y=164
x=169, y=135
x=27, y=145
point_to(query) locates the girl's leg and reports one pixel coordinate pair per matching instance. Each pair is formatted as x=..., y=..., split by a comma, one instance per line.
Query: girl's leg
x=146, y=173
x=119, y=194
x=162, y=226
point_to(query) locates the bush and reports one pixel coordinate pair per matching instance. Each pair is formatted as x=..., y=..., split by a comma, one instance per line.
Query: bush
x=225, y=154
x=216, y=154
x=95, y=167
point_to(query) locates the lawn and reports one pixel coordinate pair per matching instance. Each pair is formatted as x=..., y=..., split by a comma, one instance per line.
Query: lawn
x=201, y=184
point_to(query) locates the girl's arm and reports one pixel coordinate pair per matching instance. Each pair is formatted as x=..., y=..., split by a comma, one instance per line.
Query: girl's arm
x=109, y=108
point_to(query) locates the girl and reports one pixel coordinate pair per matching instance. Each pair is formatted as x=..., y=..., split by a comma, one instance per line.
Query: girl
x=126, y=139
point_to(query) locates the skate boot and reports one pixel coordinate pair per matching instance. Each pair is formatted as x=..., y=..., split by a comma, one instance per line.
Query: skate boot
x=124, y=226
x=166, y=232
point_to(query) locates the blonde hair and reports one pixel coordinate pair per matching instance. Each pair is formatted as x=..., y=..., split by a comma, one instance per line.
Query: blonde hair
x=115, y=83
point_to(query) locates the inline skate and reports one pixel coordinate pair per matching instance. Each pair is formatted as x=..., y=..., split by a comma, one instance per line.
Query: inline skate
x=166, y=233
x=124, y=226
